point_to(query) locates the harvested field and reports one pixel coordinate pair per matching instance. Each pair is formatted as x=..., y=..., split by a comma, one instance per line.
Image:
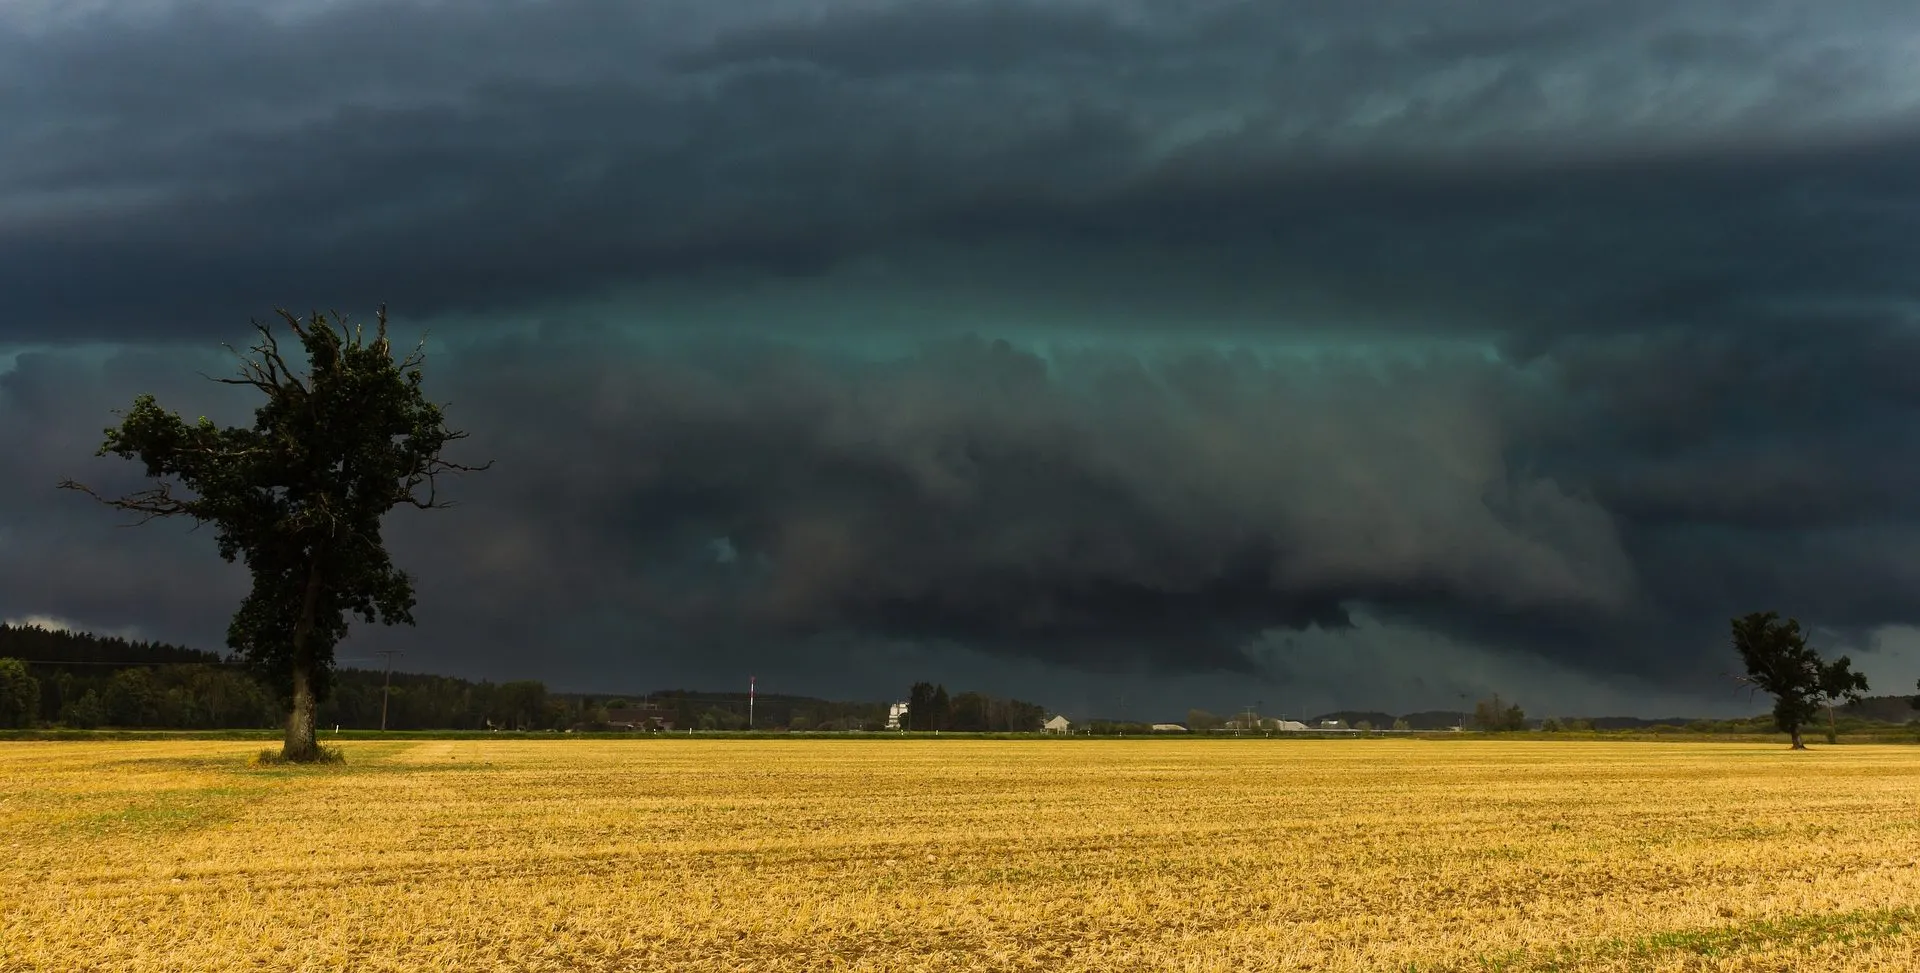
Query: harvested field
x=662, y=854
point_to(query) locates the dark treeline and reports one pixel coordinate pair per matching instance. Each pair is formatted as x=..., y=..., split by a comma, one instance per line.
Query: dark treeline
x=929, y=707
x=687, y=709
x=87, y=681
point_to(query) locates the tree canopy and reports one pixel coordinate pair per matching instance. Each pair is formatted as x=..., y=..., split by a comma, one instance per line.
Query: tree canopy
x=1781, y=663
x=299, y=496
x=19, y=695
x=1489, y=716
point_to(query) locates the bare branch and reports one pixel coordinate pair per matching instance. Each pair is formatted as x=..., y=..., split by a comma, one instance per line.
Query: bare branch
x=429, y=478
x=150, y=504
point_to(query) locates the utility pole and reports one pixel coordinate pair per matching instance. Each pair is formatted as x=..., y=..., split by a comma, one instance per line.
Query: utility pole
x=749, y=702
x=386, y=687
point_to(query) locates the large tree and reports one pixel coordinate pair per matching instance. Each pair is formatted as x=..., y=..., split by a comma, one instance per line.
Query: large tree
x=1781, y=663
x=19, y=695
x=300, y=495
x=1489, y=716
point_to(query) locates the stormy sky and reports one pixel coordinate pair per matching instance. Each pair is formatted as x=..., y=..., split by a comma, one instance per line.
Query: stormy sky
x=1125, y=356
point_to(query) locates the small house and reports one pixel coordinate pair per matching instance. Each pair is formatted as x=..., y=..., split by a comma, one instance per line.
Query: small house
x=1058, y=724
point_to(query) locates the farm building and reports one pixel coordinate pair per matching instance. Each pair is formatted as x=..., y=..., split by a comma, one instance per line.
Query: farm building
x=1058, y=724
x=1290, y=725
x=895, y=714
x=1169, y=728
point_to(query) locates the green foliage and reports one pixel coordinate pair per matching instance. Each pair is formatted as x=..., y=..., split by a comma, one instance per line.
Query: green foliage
x=1780, y=663
x=1490, y=717
x=299, y=496
x=19, y=695
x=84, y=713
x=1201, y=721
x=1401, y=725
x=930, y=708
x=942, y=709
x=132, y=699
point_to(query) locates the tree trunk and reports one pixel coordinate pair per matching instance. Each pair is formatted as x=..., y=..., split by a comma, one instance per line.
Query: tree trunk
x=1833, y=732
x=301, y=745
x=1798, y=744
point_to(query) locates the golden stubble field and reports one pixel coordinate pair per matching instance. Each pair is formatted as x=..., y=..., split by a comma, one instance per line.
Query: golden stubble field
x=669, y=854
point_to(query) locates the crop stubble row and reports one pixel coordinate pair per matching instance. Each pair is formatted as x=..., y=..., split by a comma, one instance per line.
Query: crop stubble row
x=959, y=855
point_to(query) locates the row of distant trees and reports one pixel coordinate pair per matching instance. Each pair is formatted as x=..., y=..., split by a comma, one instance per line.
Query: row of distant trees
x=930, y=708
x=85, y=681
x=82, y=680
x=695, y=710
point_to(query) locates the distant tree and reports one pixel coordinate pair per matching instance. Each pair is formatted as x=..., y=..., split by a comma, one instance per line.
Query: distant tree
x=940, y=714
x=1364, y=726
x=19, y=695
x=1201, y=721
x=132, y=699
x=1551, y=725
x=521, y=705
x=1489, y=716
x=84, y=713
x=969, y=713
x=1402, y=725
x=1780, y=663
x=300, y=495
x=1915, y=701
x=920, y=706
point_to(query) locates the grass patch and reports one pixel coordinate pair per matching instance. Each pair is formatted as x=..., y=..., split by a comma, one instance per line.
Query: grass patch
x=162, y=813
x=1793, y=932
x=273, y=757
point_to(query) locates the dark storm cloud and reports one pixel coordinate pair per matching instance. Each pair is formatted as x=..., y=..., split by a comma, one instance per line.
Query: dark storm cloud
x=1093, y=510
x=1557, y=329
x=204, y=155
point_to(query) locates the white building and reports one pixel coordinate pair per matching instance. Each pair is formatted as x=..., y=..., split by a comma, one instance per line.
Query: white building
x=1058, y=724
x=1169, y=728
x=1292, y=725
x=894, y=714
